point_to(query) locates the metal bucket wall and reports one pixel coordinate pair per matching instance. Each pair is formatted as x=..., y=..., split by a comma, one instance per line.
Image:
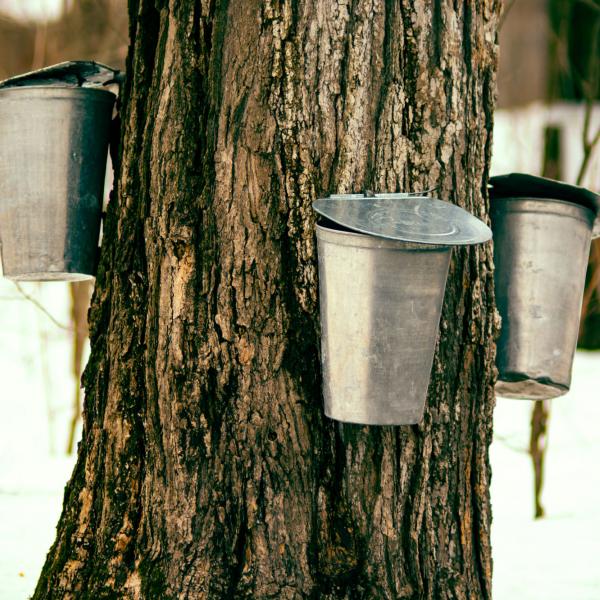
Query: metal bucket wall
x=380, y=309
x=53, y=151
x=541, y=250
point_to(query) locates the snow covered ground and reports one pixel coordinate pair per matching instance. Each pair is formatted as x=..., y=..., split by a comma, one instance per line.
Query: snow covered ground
x=36, y=396
x=556, y=558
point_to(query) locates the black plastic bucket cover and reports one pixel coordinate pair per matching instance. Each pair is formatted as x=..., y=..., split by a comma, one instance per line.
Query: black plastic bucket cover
x=522, y=185
x=74, y=73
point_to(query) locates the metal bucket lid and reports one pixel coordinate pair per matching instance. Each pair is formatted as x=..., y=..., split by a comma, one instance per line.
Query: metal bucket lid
x=521, y=185
x=404, y=217
x=74, y=73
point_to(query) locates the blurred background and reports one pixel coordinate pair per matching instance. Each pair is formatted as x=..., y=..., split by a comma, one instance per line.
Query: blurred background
x=545, y=456
x=43, y=326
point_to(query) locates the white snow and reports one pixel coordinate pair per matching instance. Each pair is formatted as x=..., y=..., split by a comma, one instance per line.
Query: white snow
x=557, y=558
x=36, y=395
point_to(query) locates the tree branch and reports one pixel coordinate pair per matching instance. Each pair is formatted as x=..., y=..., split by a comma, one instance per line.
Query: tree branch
x=40, y=306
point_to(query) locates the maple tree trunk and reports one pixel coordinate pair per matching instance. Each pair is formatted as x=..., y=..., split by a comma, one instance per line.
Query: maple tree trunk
x=207, y=468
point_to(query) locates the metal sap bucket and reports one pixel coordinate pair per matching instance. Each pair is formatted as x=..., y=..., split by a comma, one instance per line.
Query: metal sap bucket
x=53, y=150
x=383, y=264
x=541, y=250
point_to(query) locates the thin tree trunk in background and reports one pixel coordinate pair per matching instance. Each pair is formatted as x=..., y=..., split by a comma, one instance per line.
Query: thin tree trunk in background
x=39, y=46
x=207, y=468
x=589, y=328
x=80, y=302
x=540, y=413
x=575, y=75
x=537, y=450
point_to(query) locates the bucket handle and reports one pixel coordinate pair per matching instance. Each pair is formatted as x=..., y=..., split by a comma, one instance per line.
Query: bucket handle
x=371, y=194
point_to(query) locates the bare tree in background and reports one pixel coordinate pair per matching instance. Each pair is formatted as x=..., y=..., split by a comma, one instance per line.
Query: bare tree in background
x=80, y=301
x=574, y=74
x=86, y=29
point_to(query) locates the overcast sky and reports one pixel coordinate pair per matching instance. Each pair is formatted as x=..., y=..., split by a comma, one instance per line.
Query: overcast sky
x=32, y=9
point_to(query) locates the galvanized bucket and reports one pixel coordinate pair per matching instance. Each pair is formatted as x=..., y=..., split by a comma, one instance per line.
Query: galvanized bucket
x=380, y=309
x=53, y=151
x=541, y=250
x=382, y=279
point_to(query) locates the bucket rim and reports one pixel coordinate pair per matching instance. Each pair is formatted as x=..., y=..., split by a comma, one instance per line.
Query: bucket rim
x=48, y=91
x=521, y=386
x=49, y=276
x=576, y=206
x=536, y=187
x=367, y=240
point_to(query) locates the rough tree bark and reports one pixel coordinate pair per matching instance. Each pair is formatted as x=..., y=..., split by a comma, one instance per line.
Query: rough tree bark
x=207, y=468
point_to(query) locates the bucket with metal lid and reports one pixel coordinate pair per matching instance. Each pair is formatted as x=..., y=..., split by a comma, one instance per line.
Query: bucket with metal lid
x=383, y=264
x=542, y=235
x=54, y=137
